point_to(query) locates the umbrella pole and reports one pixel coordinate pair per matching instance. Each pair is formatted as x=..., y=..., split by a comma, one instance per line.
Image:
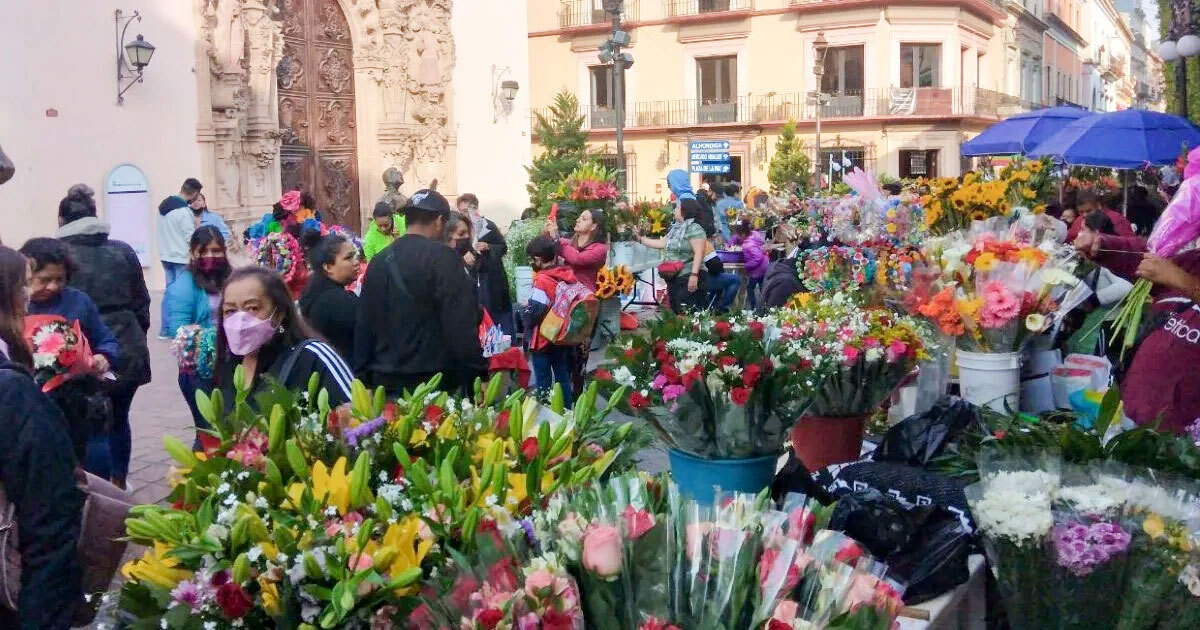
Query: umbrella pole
x=1125, y=205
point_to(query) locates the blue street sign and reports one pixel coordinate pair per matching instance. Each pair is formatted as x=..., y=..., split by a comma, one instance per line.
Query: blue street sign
x=709, y=156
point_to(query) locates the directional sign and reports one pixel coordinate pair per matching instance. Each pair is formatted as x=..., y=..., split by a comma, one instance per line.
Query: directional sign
x=709, y=156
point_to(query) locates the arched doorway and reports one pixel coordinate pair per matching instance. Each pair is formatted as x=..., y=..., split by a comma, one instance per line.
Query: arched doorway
x=316, y=108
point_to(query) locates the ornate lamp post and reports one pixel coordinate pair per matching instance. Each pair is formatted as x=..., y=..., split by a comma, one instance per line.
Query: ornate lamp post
x=1179, y=47
x=610, y=52
x=820, y=49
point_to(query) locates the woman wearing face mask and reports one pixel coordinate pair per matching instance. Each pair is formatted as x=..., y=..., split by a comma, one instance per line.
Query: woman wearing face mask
x=684, y=243
x=458, y=236
x=262, y=332
x=36, y=470
x=326, y=304
x=194, y=299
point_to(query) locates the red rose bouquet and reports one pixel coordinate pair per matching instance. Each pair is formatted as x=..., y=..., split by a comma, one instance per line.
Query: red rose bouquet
x=60, y=350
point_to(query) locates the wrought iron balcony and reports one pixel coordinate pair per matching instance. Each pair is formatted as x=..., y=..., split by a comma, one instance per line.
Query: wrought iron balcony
x=684, y=8
x=584, y=13
x=775, y=108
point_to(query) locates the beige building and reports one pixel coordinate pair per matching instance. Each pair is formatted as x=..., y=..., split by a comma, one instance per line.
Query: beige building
x=255, y=97
x=904, y=81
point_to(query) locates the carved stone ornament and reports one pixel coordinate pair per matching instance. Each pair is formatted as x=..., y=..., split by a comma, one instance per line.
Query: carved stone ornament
x=337, y=122
x=335, y=70
x=264, y=149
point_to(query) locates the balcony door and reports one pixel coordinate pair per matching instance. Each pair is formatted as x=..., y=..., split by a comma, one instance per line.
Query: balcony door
x=604, y=97
x=716, y=89
x=843, y=81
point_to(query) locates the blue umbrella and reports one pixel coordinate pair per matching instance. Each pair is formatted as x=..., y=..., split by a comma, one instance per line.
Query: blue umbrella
x=1023, y=132
x=1129, y=138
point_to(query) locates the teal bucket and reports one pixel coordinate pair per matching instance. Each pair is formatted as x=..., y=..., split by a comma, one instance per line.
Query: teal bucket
x=698, y=478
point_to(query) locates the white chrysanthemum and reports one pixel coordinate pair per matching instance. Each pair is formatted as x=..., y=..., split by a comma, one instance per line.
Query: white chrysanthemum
x=1013, y=514
x=623, y=376
x=1092, y=500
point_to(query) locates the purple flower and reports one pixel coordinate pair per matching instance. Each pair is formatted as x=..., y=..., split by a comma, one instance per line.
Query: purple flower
x=186, y=593
x=1193, y=431
x=530, y=536
x=659, y=382
x=363, y=430
x=671, y=392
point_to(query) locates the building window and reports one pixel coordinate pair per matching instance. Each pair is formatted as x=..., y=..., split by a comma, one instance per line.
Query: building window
x=843, y=70
x=918, y=164
x=716, y=89
x=610, y=161
x=835, y=163
x=604, y=97
x=920, y=65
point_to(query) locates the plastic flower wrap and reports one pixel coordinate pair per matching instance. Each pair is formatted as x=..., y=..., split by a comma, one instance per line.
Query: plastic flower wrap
x=1163, y=519
x=879, y=350
x=194, y=347
x=60, y=350
x=303, y=514
x=720, y=387
x=1011, y=505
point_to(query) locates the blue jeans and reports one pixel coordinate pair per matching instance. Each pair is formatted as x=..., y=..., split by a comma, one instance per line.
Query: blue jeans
x=170, y=270
x=752, y=287
x=723, y=288
x=108, y=453
x=553, y=365
x=188, y=384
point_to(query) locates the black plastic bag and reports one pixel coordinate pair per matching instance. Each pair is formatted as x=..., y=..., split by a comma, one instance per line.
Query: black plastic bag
x=794, y=477
x=920, y=438
x=926, y=547
x=910, y=485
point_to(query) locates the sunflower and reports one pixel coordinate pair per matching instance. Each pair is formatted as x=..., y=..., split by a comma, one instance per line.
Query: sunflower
x=978, y=215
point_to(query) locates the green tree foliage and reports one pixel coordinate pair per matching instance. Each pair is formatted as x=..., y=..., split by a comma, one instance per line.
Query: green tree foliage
x=565, y=142
x=1169, y=68
x=791, y=169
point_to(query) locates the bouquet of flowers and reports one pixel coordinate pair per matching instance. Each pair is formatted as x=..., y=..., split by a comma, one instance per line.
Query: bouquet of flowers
x=1030, y=184
x=592, y=186
x=1089, y=545
x=302, y=514
x=652, y=218
x=194, y=347
x=613, y=280
x=997, y=286
x=1011, y=505
x=721, y=387
x=60, y=350
x=879, y=350
x=1163, y=522
x=280, y=252
x=950, y=206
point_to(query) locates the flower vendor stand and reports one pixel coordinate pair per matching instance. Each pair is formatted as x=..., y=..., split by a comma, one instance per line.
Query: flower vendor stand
x=698, y=477
x=821, y=441
x=990, y=379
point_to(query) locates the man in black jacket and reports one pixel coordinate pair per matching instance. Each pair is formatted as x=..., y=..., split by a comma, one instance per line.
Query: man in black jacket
x=37, y=472
x=418, y=314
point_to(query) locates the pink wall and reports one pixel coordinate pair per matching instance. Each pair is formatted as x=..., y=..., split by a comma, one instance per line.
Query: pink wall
x=1064, y=72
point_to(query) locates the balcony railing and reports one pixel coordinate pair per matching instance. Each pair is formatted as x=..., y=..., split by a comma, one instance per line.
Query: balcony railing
x=581, y=13
x=781, y=107
x=683, y=8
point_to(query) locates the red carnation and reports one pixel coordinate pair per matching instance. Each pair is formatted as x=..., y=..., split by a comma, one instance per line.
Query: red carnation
x=724, y=329
x=638, y=401
x=529, y=448
x=390, y=411
x=776, y=624
x=758, y=329
x=751, y=374
x=234, y=601
x=691, y=377
x=502, y=422
x=68, y=357
x=555, y=620
x=670, y=371
x=727, y=361
x=490, y=618
x=630, y=354
x=602, y=374
x=433, y=415
x=209, y=443
x=740, y=395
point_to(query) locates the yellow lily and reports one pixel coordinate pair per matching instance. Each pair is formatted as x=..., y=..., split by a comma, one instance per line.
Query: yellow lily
x=156, y=568
x=403, y=537
x=517, y=492
x=448, y=430
x=332, y=487
x=270, y=597
x=419, y=436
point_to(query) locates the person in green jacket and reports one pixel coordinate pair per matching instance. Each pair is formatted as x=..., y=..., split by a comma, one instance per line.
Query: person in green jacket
x=386, y=226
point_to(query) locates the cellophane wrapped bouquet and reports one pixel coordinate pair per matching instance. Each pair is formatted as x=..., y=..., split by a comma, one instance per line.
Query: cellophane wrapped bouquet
x=1164, y=522
x=999, y=285
x=721, y=387
x=194, y=348
x=1089, y=546
x=1011, y=505
x=879, y=349
x=295, y=513
x=646, y=558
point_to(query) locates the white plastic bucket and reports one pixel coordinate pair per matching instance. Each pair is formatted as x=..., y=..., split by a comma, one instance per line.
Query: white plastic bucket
x=990, y=379
x=523, y=279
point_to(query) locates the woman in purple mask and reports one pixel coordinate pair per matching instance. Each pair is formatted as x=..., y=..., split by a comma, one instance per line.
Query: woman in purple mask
x=262, y=332
x=193, y=299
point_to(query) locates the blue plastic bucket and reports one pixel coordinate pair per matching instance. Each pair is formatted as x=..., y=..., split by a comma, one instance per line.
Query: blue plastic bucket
x=698, y=477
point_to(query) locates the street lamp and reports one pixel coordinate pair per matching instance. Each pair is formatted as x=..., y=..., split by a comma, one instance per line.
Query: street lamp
x=820, y=49
x=1180, y=48
x=610, y=52
x=132, y=57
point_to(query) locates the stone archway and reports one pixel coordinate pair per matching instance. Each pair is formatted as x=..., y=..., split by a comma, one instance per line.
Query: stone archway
x=315, y=86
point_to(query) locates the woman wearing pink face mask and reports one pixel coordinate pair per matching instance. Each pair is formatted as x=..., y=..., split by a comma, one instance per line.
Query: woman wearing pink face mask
x=193, y=299
x=261, y=331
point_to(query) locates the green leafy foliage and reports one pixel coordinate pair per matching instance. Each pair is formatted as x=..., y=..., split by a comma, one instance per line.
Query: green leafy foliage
x=791, y=169
x=564, y=141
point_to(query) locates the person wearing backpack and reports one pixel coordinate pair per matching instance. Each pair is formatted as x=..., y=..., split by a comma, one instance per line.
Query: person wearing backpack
x=551, y=359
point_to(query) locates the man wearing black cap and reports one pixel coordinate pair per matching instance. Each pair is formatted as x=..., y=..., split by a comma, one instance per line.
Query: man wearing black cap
x=418, y=313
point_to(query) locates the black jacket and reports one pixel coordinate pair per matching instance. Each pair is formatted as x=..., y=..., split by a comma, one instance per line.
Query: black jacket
x=429, y=326
x=37, y=470
x=111, y=274
x=781, y=283
x=332, y=310
x=493, y=280
x=313, y=356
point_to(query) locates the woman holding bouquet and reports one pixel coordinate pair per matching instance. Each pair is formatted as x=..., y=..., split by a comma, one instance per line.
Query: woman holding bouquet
x=261, y=331
x=684, y=245
x=189, y=303
x=37, y=472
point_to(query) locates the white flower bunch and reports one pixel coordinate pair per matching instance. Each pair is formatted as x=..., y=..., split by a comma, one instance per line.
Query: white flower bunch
x=1092, y=500
x=1016, y=515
